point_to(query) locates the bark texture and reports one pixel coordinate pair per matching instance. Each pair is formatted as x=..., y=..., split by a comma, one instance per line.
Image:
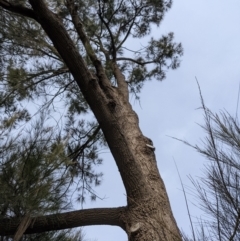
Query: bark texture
x=148, y=214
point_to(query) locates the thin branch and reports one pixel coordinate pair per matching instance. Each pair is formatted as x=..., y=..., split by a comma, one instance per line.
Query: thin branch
x=116, y=10
x=77, y=152
x=25, y=222
x=218, y=215
x=54, y=73
x=237, y=101
x=185, y=197
x=127, y=34
x=236, y=227
x=99, y=43
x=134, y=61
x=129, y=29
x=213, y=142
x=114, y=53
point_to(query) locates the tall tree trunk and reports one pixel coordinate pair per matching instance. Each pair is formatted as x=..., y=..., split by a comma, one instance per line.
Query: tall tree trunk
x=148, y=214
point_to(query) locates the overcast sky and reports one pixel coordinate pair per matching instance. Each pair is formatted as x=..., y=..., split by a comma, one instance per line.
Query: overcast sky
x=210, y=34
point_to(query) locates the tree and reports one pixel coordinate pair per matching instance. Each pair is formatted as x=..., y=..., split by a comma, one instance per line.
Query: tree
x=29, y=181
x=218, y=191
x=75, y=51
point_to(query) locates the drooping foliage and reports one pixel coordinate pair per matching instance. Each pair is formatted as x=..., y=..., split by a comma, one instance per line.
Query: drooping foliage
x=218, y=189
x=34, y=178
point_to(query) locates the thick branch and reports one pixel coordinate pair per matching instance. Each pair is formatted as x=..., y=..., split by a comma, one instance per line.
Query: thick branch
x=95, y=216
x=121, y=82
x=63, y=43
x=18, y=8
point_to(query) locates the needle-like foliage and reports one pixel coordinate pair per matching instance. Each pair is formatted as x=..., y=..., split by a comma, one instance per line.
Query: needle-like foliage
x=218, y=191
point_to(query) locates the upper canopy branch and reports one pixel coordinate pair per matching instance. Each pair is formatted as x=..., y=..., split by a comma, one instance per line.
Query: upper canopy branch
x=18, y=8
x=79, y=28
x=130, y=23
x=113, y=48
x=95, y=216
x=135, y=61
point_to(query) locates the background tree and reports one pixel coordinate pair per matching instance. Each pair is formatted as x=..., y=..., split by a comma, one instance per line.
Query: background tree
x=218, y=191
x=69, y=57
x=33, y=179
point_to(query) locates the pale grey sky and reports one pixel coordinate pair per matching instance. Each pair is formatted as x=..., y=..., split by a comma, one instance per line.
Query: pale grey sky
x=210, y=33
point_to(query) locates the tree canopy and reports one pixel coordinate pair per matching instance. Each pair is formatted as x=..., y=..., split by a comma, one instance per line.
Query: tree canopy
x=61, y=61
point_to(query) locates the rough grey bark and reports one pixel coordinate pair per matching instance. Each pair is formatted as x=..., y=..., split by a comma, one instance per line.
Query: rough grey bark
x=148, y=214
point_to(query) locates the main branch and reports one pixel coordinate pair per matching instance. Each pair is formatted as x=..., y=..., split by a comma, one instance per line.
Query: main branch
x=80, y=218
